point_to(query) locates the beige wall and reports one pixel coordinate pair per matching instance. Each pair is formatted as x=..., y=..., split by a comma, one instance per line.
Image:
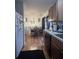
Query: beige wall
x=60, y=9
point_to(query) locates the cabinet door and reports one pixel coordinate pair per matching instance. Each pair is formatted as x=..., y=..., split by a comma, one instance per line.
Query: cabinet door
x=19, y=36
x=55, y=49
x=48, y=43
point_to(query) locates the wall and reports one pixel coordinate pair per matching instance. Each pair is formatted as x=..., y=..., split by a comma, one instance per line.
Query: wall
x=60, y=9
x=19, y=36
x=19, y=6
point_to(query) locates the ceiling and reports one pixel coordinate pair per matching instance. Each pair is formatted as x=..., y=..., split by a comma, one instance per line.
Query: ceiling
x=37, y=8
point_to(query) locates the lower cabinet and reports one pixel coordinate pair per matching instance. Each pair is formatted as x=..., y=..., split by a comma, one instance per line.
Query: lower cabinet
x=56, y=54
x=47, y=43
x=53, y=47
x=56, y=49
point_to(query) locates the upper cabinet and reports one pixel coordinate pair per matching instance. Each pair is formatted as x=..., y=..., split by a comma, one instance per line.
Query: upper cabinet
x=53, y=12
x=56, y=11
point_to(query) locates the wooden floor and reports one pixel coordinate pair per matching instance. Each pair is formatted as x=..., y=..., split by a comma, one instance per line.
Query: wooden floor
x=33, y=43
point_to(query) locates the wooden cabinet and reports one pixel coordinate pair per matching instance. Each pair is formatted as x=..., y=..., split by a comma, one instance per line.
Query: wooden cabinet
x=47, y=43
x=53, y=46
x=56, y=49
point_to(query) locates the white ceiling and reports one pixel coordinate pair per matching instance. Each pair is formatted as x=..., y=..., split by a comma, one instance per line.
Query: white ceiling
x=36, y=8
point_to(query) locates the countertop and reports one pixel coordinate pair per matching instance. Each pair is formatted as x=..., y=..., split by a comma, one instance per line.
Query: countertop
x=54, y=34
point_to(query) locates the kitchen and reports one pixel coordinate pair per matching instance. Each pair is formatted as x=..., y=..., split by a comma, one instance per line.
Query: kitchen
x=42, y=22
